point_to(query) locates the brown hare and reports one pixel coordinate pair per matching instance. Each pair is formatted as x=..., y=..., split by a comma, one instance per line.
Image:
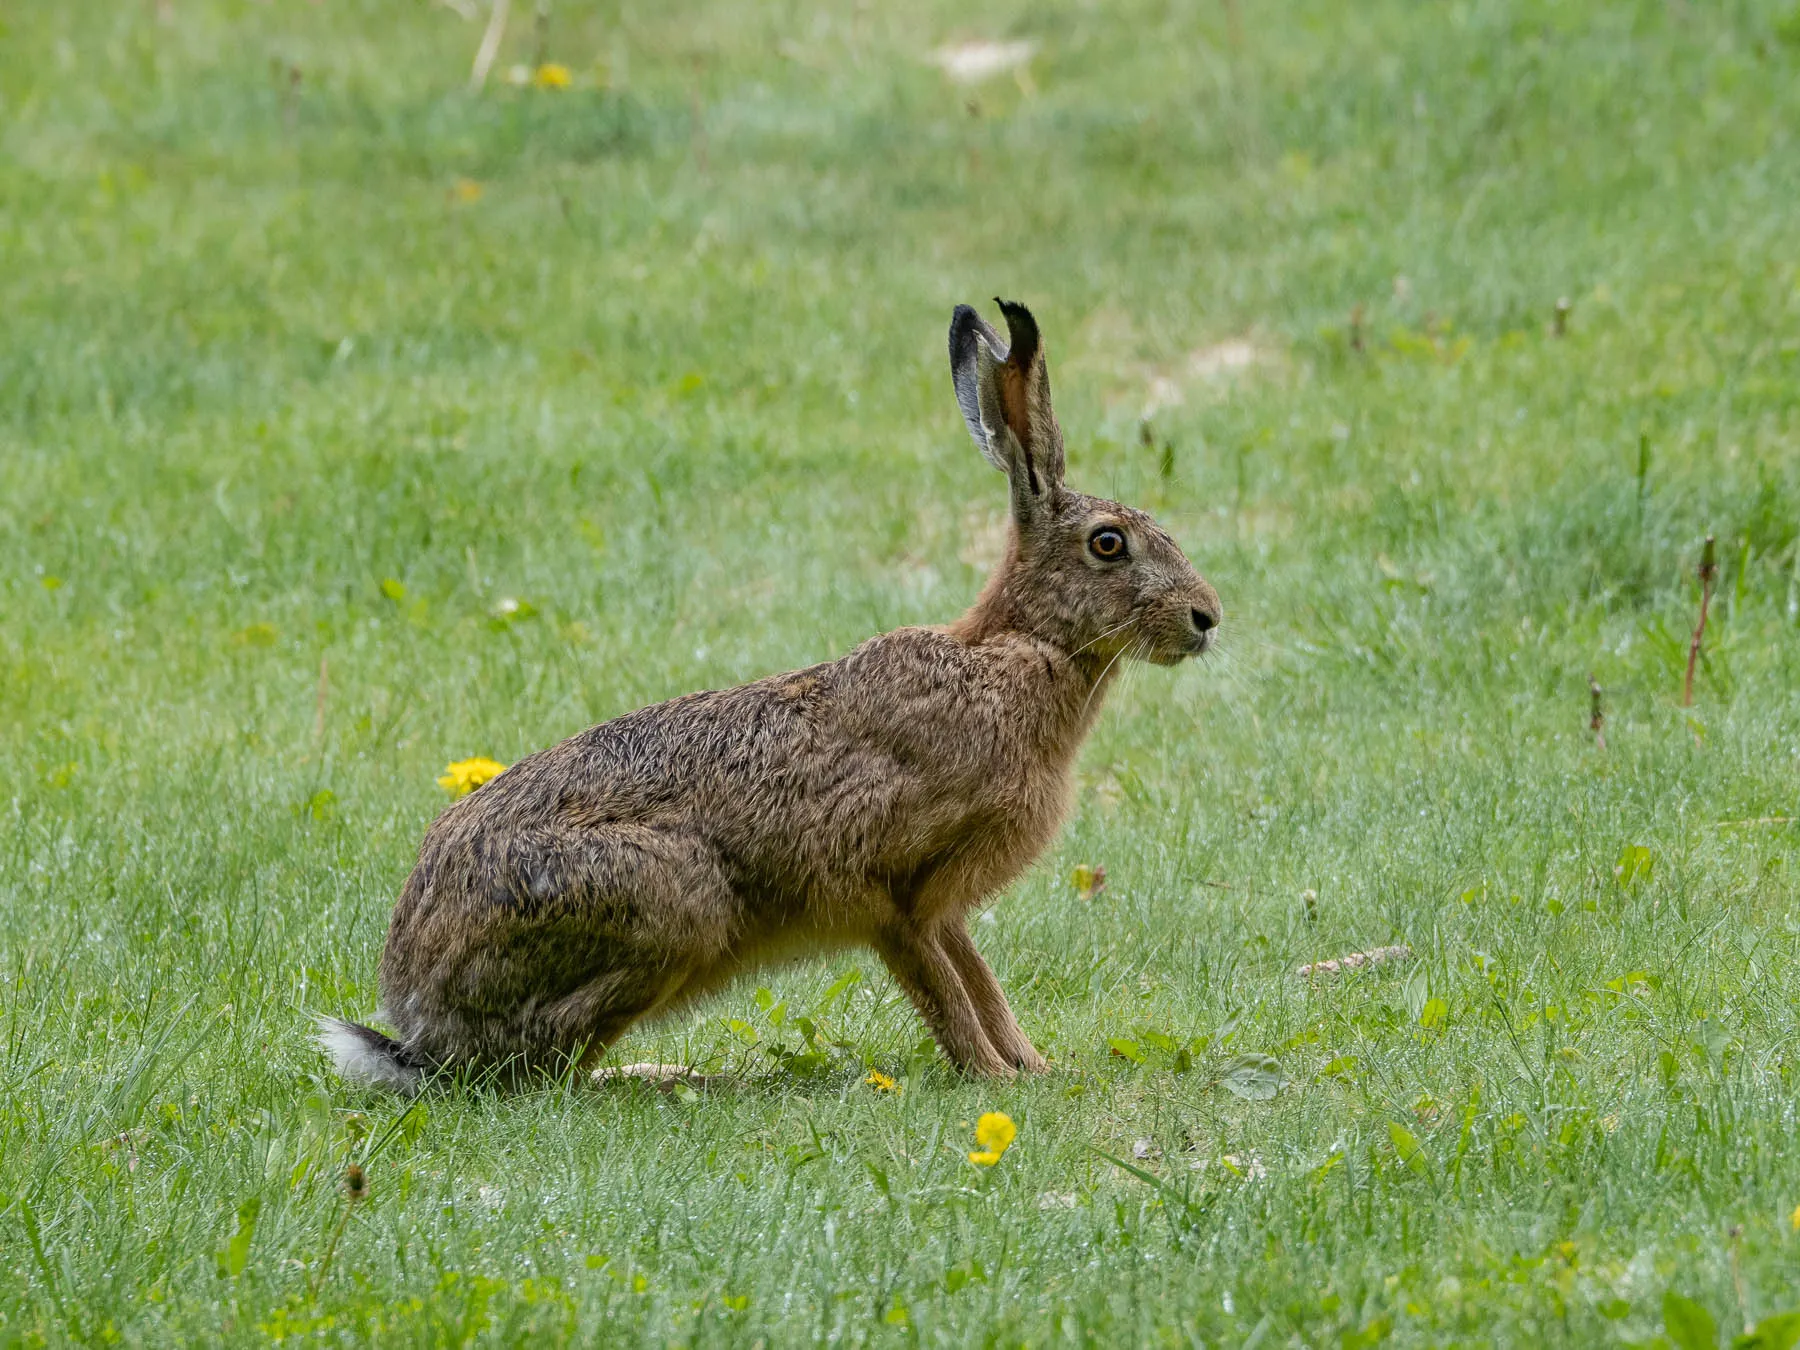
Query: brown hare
x=875, y=800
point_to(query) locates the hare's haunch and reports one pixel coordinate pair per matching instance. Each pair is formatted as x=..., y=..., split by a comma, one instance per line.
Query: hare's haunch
x=875, y=800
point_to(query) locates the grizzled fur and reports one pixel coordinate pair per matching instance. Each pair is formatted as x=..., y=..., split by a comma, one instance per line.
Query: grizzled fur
x=872, y=801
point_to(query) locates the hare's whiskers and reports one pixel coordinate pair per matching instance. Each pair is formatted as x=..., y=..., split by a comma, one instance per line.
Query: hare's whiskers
x=1103, y=636
x=1095, y=688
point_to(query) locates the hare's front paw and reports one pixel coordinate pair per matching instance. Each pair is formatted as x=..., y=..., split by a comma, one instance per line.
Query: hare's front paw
x=1030, y=1061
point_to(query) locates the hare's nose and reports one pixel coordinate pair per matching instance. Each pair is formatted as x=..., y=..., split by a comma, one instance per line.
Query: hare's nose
x=1203, y=621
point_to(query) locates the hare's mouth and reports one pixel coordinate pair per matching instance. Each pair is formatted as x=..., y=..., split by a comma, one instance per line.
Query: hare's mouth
x=1174, y=656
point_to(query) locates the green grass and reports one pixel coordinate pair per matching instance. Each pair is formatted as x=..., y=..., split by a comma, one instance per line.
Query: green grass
x=276, y=396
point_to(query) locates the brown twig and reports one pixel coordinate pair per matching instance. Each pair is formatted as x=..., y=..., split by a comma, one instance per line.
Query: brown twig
x=290, y=96
x=1597, y=717
x=1709, y=569
x=356, y=1188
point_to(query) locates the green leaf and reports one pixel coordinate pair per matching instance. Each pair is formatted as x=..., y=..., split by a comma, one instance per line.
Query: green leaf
x=1374, y=1333
x=1125, y=1049
x=1434, y=1014
x=1669, y=1067
x=1417, y=991
x=1634, y=867
x=1255, y=1078
x=1780, y=1331
x=1406, y=1145
x=393, y=589
x=963, y=1274
x=1687, y=1324
x=838, y=986
x=1157, y=1040
x=237, y=1252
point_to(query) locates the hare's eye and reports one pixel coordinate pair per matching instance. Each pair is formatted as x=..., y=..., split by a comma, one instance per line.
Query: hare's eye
x=1107, y=545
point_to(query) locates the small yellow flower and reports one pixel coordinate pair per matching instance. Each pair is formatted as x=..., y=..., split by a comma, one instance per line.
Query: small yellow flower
x=1088, y=881
x=466, y=190
x=464, y=776
x=551, y=76
x=881, y=1082
x=1794, y=1219
x=995, y=1132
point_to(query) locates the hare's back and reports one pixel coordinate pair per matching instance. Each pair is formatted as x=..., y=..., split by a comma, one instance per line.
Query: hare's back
x=899, y=702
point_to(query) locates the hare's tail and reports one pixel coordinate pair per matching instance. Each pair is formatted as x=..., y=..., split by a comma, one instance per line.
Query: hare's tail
x=364, y=1056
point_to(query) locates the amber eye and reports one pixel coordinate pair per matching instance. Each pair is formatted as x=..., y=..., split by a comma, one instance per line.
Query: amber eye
x=1107, y=544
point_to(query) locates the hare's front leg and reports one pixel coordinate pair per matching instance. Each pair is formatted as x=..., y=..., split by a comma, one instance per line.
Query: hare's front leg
x=920, y=965
x=996, y=1014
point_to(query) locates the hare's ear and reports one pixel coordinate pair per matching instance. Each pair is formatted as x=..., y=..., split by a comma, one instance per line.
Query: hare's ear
x=1003, y=389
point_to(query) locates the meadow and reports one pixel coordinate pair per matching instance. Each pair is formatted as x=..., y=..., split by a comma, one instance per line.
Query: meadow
x=354, y=422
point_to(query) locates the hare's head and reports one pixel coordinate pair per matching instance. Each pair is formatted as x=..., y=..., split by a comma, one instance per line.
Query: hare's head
x=1087, y=574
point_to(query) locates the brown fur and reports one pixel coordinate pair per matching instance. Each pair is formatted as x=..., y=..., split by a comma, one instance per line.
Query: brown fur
x=872, y=801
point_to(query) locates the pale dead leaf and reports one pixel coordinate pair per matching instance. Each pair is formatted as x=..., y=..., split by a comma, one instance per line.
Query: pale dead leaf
x=973, y=62
x=1213, y=365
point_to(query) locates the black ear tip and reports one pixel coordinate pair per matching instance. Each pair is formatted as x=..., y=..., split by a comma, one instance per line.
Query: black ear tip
x=964, y=322
x=1021, y=328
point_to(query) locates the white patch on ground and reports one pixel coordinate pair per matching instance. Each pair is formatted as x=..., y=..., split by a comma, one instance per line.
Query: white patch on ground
x=973, y=62
x=1216, y=364
x=1248, y=1167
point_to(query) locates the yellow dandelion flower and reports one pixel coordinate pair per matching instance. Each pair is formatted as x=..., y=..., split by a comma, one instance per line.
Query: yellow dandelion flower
x=551, y=76
x=995, y=1132
x=881, y=1082
x=465, y=775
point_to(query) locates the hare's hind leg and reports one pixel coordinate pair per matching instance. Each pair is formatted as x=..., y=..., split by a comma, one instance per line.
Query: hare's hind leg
x=664, y=912
x=924, y=970
x=996, y=1013
x=544, y=946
